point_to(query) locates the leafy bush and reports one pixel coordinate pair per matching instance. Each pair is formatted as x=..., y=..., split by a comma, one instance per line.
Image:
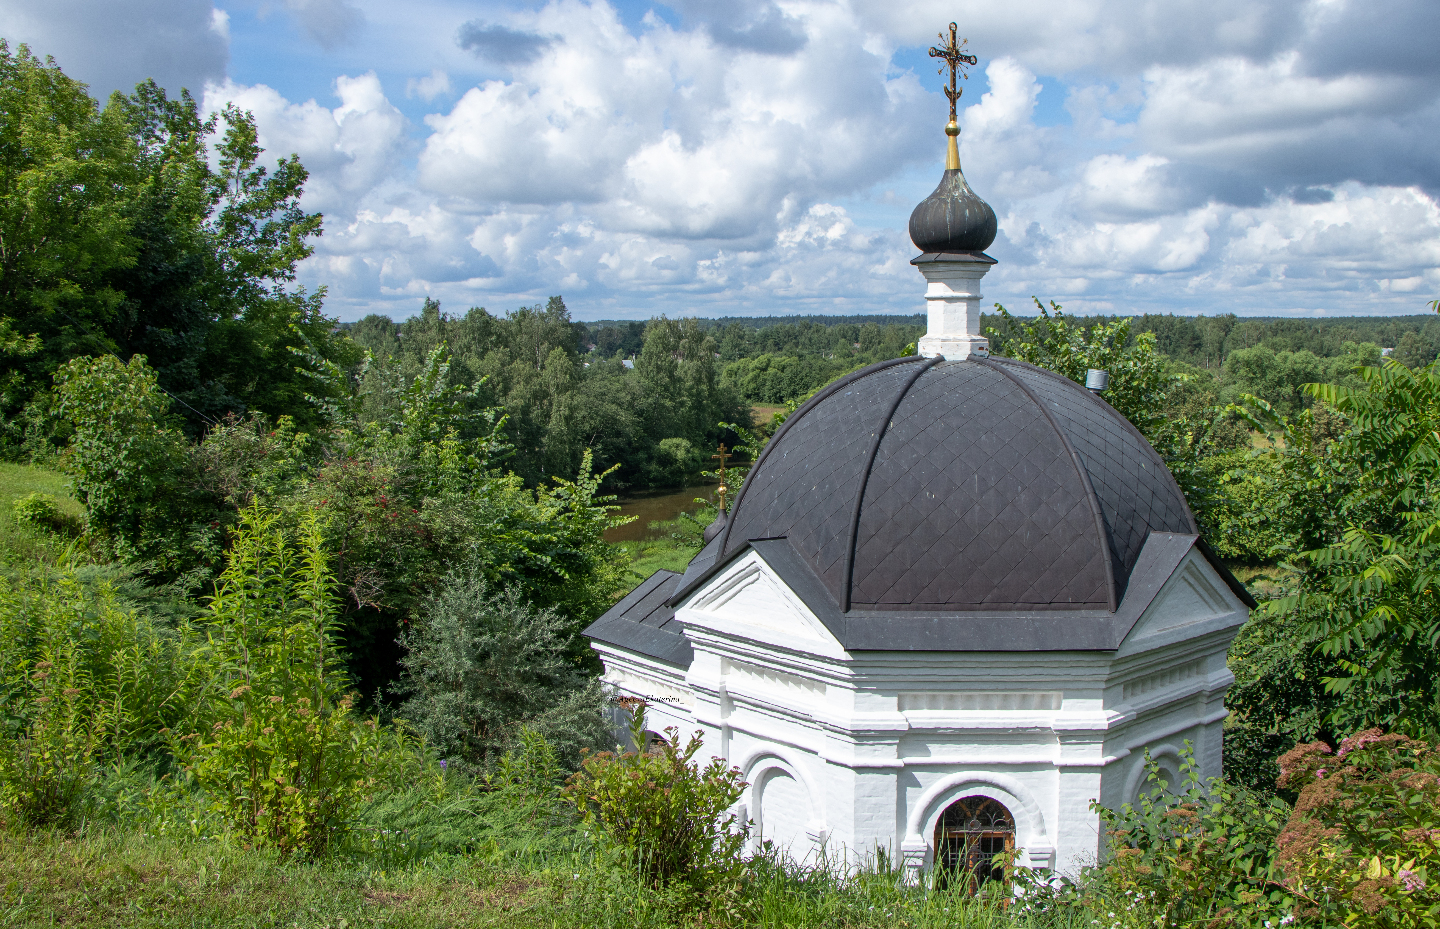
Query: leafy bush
x=287, y=759
x=1367, y=597
x=126, y=455
x=82, y=680
x=1192, y=851
x=481, y=667
x=37, y=510
x=663, y=813
x=1363, y=845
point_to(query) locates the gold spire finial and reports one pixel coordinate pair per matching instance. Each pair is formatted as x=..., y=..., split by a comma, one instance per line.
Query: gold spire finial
x=955, y=59
x=724, y=488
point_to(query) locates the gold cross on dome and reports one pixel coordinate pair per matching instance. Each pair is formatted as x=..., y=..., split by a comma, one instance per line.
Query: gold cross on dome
x=955, y=58
x=723, y=490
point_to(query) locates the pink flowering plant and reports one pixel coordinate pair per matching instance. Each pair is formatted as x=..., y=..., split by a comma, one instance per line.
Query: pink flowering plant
x=1363, y=845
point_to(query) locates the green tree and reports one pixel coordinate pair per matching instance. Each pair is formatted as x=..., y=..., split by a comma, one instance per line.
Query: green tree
x=482, y=666
x=1056, y=342
x=118, y=234
x=1370, y=595
x=1414, y=350
x=126, y=454
x=66, y=172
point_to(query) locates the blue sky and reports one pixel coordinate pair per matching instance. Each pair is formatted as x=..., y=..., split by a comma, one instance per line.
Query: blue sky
x=760, y=156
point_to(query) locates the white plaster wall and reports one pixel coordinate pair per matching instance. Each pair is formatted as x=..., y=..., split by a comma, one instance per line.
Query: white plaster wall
x=862, y=752
x=781, y=811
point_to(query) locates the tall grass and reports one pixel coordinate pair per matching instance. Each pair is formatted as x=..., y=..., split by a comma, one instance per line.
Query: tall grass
x=438, y=854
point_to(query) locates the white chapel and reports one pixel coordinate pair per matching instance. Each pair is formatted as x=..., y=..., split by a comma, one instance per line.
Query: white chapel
x=957, y=599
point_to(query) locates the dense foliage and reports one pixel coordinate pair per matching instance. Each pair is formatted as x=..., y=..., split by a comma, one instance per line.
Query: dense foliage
x=649, y=424
x=664, y=813
x=1361, y=846
x=143, y=228
x=483, y=666
x=274, y=741
x=404, y=477
x=1358, y=848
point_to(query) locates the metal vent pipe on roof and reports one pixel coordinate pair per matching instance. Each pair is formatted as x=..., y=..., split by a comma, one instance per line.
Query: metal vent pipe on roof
x=1096, y=380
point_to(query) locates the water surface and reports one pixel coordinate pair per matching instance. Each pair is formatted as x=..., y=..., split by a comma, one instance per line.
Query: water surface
x=657, y=506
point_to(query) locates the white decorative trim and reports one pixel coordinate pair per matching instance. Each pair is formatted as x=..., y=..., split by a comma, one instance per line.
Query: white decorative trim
x=742, y=676
x=1164, y=678
x=727, y=588
x=980, y=701
x=1192, y=603
x=749, y=601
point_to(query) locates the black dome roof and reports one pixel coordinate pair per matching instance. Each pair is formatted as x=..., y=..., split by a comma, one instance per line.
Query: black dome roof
x=953, y=218
x=982, y=484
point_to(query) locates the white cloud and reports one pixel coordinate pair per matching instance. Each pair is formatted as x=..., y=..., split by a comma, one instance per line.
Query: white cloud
x=763, y=155
x=427, y=88
x=352, y=151
x=1112, y=187
x=114, y=46
x=670, y=133
x=680, y=168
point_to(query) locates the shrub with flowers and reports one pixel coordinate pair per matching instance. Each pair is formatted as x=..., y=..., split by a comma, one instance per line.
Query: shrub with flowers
x=1363, y=845
x=1196, y=852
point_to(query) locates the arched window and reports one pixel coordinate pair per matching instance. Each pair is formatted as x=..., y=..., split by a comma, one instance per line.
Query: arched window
x=972, y=831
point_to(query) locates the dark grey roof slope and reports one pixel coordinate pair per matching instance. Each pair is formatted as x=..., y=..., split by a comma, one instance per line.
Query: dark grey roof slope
x=960, y=485
x=643, y=622
x=931, y=504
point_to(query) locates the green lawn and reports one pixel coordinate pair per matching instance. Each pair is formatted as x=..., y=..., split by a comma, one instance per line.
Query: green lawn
x=22, y=545
x=649, y=557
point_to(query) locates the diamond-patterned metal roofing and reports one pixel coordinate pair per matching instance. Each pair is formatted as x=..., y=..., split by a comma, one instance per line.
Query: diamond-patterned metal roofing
x=805, y=486
x=994, y=486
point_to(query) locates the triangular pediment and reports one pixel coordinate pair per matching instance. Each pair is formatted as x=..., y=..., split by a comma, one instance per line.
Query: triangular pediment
x=1194, y=601
x=749, y=599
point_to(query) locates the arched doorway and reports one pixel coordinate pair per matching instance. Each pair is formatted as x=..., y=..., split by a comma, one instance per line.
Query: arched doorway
x=972, y=831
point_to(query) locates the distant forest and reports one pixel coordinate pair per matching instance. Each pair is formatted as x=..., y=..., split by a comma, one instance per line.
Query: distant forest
x=649, y=397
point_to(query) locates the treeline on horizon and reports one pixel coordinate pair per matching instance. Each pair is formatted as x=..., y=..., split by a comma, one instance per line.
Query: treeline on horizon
x=565, y=385
x=1201, y=340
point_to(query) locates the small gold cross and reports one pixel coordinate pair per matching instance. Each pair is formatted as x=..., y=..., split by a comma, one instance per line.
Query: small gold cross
x=724, y=453
x=954, y=58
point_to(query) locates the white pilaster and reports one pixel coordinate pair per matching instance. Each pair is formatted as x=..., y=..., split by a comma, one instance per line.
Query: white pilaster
x=952, y=304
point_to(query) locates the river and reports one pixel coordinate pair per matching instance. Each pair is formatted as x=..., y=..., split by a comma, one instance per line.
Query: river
x=659, y=506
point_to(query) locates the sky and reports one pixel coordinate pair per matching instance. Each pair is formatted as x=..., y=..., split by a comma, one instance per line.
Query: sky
x=762, y=157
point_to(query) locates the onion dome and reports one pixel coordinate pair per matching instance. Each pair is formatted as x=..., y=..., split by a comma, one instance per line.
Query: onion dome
x=953, y=218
